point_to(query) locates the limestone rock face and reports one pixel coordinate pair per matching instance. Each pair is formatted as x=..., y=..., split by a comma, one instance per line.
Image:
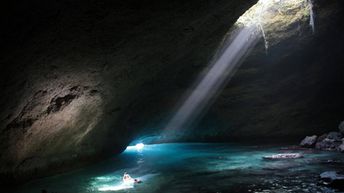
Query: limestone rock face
x=277, y=20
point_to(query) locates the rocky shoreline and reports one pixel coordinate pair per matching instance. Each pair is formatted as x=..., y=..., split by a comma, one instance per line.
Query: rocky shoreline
x=332, y=141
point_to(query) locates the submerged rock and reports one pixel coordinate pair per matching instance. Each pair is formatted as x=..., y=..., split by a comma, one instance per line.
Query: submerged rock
x=309, y=141
x=332, y=179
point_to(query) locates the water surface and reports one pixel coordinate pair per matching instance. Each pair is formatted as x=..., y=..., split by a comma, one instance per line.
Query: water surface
x=201, y=168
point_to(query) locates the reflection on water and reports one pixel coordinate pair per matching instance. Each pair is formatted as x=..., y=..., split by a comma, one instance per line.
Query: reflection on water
x=203, y=168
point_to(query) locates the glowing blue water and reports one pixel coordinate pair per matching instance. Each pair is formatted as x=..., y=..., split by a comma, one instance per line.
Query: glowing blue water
x=172, y=168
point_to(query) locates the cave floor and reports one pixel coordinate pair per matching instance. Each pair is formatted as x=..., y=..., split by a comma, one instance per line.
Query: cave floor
x=200, y=168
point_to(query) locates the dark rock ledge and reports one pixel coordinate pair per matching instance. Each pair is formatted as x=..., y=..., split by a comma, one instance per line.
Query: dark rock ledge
x=332, y=141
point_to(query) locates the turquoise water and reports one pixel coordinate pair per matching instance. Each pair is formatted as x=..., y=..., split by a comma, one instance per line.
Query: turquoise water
x=201, y=168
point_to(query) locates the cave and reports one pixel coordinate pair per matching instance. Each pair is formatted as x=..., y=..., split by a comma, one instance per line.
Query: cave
x=158, y=96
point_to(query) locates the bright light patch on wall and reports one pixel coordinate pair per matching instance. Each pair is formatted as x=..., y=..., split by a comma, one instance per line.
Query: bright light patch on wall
x=274, y=17
x=265, y=11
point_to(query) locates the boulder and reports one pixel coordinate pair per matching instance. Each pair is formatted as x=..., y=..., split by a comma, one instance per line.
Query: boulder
x=309, y=141
x=332, y=179
x=327, y=144
x=341, y=127
x=330, y=141
x=335, y=136
x=341, y=147
x=322, y=137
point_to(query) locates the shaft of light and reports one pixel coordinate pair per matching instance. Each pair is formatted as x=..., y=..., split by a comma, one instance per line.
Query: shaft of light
x=311, y=15
x=215, y=78
x=258, y=21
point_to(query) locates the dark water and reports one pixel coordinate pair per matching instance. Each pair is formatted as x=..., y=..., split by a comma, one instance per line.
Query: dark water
x=200, y=168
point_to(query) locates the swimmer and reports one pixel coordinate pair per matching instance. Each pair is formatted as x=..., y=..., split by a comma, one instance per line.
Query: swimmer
x=128, y=179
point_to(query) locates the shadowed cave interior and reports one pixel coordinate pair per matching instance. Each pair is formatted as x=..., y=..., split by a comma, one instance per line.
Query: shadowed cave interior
x=185, y=96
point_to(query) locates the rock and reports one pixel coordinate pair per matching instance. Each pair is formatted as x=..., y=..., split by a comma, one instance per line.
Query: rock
x=332, y=179
x=322, y=137
x=309, y=141
x=328, y=175
x=341, y=147
x=341, y=127
x=327, y=144
x=330, y=141
x=335, y=136
x=283, y=156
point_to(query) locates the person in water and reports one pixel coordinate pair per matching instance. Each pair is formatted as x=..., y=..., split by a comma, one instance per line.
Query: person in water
x=127, y=178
